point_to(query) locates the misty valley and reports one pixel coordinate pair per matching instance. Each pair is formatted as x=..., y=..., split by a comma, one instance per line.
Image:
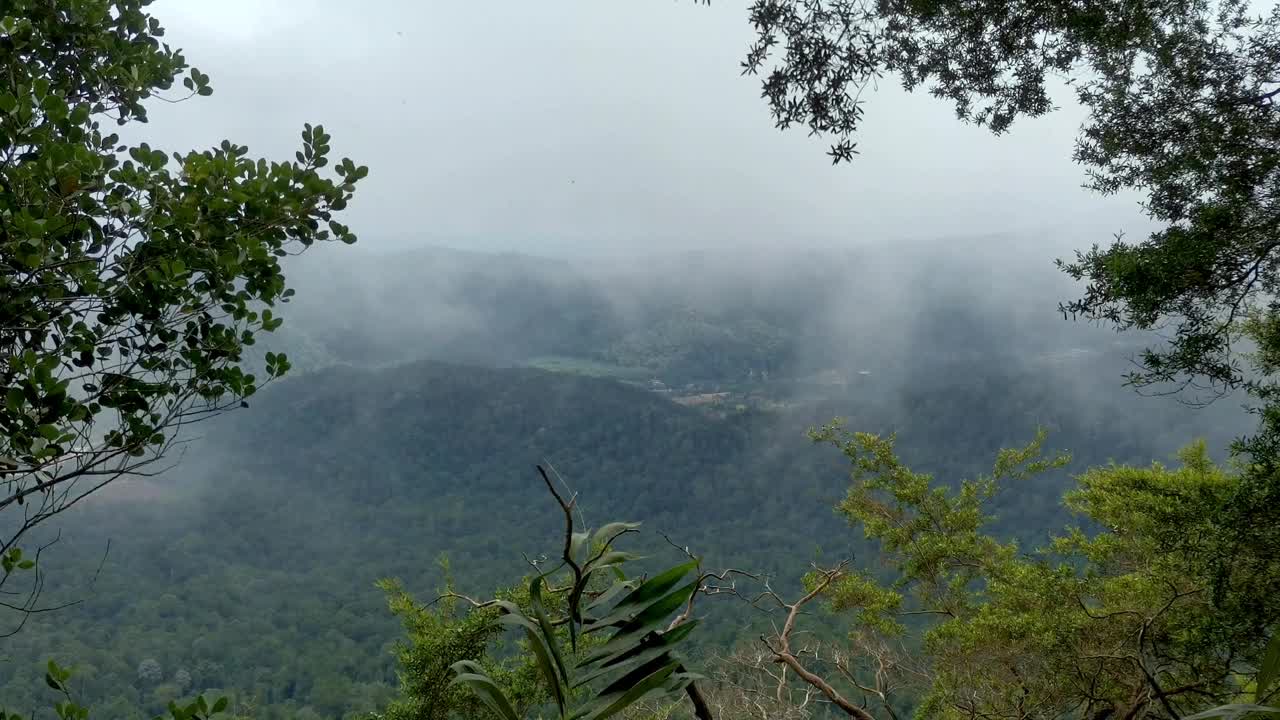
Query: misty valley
x=423, y=397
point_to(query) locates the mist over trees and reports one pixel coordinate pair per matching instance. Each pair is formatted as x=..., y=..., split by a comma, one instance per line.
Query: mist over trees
x=247, y=544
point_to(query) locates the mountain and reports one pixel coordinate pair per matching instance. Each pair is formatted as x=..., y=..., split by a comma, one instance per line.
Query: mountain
x=261, y=570
x=694, y=317
x=413, y=428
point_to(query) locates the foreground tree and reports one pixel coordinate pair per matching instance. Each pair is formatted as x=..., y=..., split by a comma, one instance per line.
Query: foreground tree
x=595, y=643
x=1181, y=102
x=454, y=628
x=131, y=279
x=1132, y=619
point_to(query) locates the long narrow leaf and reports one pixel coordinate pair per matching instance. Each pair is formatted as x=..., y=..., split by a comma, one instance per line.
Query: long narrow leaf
x=1235, y=710
x=634, y=630
x=518, y=620
x=544, y=624
x=541, y=652
x=635, y=675
x=472, y=676
x=507, y=607
x=677, y=683
x=643, y=596
x=608, y=560
x=610, y=532
x=548, y=669
x=1270, y=669
x=629, y=694
x=610, y=595
x=577, y=543
x=652, y=647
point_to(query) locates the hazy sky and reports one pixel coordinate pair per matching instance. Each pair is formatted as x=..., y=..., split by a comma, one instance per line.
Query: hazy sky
x=566, y=125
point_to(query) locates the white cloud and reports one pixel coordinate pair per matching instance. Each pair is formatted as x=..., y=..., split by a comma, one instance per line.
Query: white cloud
x=575, y=125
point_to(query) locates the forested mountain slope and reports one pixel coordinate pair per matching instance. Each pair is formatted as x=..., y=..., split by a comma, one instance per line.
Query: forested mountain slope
x=707, y=318
x=252, y=570
x=259, y=569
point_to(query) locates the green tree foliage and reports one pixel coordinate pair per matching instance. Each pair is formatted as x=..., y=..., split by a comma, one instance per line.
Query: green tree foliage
x=208, y=573
x=633, y=665
x=1263, y=704
x=1123, y=617
x=1181, y=102
x=131, y=279
x=1180, y=106
x=442, y=633
x=595, y=643
x=66, y=708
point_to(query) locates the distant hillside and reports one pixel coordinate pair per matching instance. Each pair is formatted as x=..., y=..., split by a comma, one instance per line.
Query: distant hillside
x=257, y=574
x=702, y=318
x=291, y=511
x=493, y=309
x=412, y=426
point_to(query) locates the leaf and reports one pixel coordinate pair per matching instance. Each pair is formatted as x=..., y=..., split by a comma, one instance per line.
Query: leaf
x=620, y=586
x=610, y=532
x=471, y=675
x=626, y=692
x=540, y=612
x=634, y=630
x=577, y=542
x=219, y=705
x=1270, y=669
x=541, y=641
x=652, y=647
x=1234, y=710
x=651, y=590
x=610, y=559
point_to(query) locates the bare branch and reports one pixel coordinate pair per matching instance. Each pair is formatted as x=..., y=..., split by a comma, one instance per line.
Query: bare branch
x=780, y=645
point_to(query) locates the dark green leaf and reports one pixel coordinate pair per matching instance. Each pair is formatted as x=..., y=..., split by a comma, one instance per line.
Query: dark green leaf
x=650, y=619
x=610, y=532
x=650, y=648
x=548, y=632
x=628, y=691
x=1235, y=710
x=648, y=592
x=577, y=542
x=472, y=676
x=1270, y=668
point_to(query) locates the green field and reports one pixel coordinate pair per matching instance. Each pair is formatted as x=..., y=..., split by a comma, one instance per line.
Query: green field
x=590, y=368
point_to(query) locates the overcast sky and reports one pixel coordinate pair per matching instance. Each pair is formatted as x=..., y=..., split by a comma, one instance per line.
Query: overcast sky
x=570, y=125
